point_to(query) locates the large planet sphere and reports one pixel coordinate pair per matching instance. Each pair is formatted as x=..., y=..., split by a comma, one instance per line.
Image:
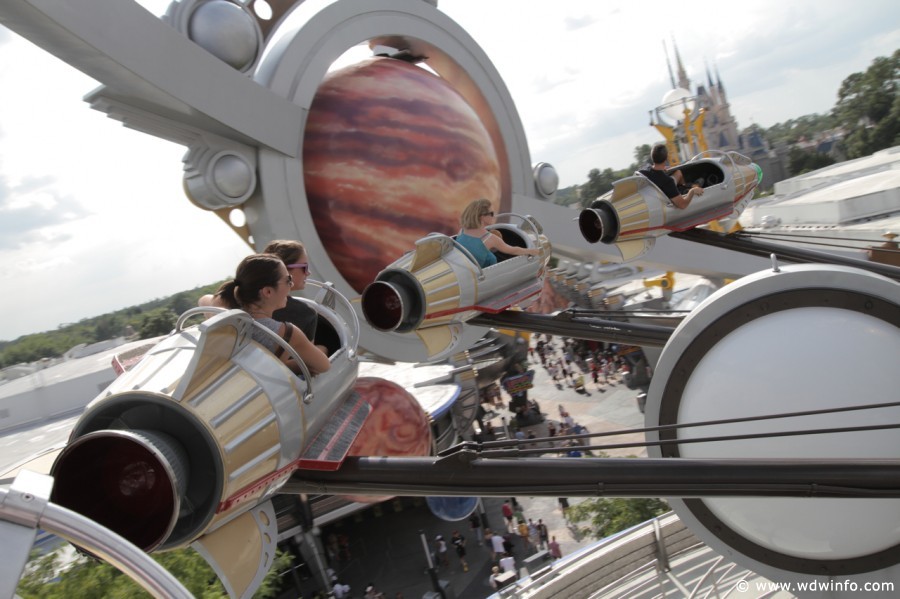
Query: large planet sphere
x=391, y=153
x=396, y=426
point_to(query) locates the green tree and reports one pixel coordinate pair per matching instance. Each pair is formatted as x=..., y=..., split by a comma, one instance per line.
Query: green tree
x=181, y=302
x=157, y=322
x=566, y=195
x=607, y=516
x=799, y=129
x=108, y=326
x=52, y=344
x=597, y=184
x=35, y=347
x=868, y=107
x=803, y=161
x=46, y=578
x=641, y=156
x=600, y=183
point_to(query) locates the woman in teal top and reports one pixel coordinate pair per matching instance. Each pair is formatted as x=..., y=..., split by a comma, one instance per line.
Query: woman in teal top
x=475, y=237
x=483, y=256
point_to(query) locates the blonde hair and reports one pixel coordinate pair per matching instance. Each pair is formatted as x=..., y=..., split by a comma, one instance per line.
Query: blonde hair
x=471, y=216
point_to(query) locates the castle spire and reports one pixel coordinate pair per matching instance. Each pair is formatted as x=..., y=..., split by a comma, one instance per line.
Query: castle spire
x=668, y=64
x=713, y=91
x=719, y=86
x=683, y=80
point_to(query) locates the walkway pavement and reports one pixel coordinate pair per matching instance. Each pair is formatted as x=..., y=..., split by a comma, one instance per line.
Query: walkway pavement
x=386, y=549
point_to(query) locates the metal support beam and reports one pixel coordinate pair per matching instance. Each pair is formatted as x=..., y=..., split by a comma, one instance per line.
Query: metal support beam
x=578, y=325
x=464, y=474
x=747, y=245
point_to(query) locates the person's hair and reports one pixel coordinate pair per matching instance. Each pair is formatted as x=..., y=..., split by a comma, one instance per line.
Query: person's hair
x=253, y=273
x=471, y=215
x=659, y=154
x=290, y=252
x=225, y=292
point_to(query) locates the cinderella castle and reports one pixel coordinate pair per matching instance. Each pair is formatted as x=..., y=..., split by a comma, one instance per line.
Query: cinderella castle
x=720, y=129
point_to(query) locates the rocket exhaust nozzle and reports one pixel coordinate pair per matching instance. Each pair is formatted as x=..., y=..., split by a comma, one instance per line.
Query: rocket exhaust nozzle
x=599, y=223
x=132, y=482
x=393, y=303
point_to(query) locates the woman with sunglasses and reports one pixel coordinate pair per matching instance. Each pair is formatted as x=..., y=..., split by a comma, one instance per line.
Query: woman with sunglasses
x=261, y=286
x=475, y=237
x=293, y=254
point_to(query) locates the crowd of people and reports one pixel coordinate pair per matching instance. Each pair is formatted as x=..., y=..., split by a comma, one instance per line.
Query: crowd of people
x=566, y=361
x=533, y=537
x=521, y=537
x=569, y=362
x=343, y=591
x=508, y=549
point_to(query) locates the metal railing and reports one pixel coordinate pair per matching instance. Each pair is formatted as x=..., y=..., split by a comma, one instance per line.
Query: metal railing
x=645, y=551
x=26, y=506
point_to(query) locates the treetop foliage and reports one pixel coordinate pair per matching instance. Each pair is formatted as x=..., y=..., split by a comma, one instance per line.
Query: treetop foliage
x=608, y=515
x=150, y=319
x=47, y=578
x=868, y=107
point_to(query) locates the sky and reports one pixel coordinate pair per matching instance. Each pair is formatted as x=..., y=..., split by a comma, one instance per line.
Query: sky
x=93, y=217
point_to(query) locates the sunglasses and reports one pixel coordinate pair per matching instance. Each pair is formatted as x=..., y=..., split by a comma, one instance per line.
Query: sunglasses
x=289, y=280
x=304, y=266
x=491, y=213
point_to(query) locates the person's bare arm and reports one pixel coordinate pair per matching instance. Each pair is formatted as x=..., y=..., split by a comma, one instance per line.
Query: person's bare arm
x=493, y=242
x=683, y=201
x=211, y=300
x=314, y=358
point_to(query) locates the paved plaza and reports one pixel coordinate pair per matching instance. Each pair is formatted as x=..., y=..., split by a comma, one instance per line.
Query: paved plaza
x=385, y=546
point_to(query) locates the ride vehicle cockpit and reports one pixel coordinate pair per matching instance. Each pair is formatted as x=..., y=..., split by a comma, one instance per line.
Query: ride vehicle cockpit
x=439, y=284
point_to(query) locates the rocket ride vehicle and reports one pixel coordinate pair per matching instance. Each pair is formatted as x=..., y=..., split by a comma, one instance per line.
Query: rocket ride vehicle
x=636, y=212
x=436, y=287
x=189, y=445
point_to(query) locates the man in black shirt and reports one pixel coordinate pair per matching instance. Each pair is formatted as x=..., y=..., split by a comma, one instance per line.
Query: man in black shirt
x=659, y=155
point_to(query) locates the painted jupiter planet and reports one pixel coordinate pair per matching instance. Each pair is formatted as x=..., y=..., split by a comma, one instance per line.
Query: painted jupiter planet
x=391, y=153
x=396, y=426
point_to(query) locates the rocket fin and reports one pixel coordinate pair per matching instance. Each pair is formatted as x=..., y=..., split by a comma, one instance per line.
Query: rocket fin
x=635, y=248
x=428, y=250
x=437, y=340
x=329, y=448
x=627, y=187
x=499, y=303
x=242, y=551
x=223, y=335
